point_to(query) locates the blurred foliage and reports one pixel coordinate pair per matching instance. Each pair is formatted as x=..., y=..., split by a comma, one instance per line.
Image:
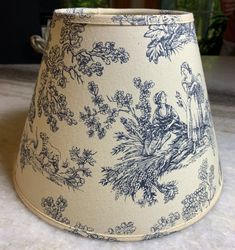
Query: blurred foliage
x=212, y=42
x=210, y=23
x=87, y=3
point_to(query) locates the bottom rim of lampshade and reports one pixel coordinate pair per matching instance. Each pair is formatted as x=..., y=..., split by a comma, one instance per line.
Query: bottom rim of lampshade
x=114, y=237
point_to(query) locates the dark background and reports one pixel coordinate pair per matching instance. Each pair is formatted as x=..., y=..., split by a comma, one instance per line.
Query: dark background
x=21, y=19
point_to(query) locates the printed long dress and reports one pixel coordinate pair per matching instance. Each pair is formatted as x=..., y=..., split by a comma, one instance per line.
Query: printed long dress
x=161, y=131
x=194, y=109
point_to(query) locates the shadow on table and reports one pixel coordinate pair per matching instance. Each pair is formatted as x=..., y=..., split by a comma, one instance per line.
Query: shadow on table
x=11, y=127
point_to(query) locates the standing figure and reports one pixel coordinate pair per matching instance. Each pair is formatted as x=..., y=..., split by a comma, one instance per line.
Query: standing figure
x=195, y=98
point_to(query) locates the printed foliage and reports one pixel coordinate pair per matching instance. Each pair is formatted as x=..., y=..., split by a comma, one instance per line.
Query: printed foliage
x=57, y=74
x=163, y=224
x=124, y=228
x=43, y=157
x=53, y=104
x=150, y=144
x=32, y=112
x=194, y=203
x=166, y=33
x=167, y=39
x=55, y=208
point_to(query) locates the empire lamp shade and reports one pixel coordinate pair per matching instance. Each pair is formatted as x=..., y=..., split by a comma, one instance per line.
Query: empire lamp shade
x=119, y=142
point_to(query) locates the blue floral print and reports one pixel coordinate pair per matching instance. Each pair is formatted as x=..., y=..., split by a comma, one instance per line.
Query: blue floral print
x=90, y=116
x=51, y=101
x=55, y=208
x=195, y=202
x=163, y=16
x=166, y=34
x=124, y=228
x=155, y=142
x=167, y=39
x=43, y=157
x=164, y=223
x=53, y=104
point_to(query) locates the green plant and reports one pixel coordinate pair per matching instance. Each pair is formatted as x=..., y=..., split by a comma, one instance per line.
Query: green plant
x=87, y=3
x=212, y=42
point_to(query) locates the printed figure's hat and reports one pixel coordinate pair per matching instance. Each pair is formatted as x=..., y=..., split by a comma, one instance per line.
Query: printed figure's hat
x=119, y=141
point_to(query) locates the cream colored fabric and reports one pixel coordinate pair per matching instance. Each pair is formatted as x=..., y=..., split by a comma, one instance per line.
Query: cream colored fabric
x=119, y=141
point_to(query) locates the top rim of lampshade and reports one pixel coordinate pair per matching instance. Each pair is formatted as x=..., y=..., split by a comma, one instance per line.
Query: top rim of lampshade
x=133, y=17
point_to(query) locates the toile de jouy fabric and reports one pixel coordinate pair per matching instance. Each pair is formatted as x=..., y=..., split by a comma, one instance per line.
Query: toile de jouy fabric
x=119, y=141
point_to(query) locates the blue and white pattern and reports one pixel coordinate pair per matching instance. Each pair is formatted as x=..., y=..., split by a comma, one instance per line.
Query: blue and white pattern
x=167, y=39
x=167, y=35
x=51, y=101
x=198, y=122
x=87, y=231
x=161, y=18
x=124, y=228
x=55, y=208
x=69, y=15
x=142, y=163
x=196, y=202
x=53, y=104
x=91, y=117
x=164, y=223
x=45, y=158
x=95, y=127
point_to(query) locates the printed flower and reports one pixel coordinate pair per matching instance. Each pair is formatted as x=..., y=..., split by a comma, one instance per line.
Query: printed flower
x=47, y=202
x=55, y=209
x=93, y=88
x=196, y=201
x=137, y=82
x=61, y=203
x=121, y=136
x=121, y=99
x=165, y=222
x=118, y=97
x=103, y=109
x=91, y=133
x=74, y=153
x=123, y=55
x=101, y=133
x=88, y=157
x=91, y=122
x=97, y=100
x=65, y=220
x=124, y=228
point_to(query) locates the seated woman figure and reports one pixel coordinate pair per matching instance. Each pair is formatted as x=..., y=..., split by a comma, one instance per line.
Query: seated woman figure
x=165, y=122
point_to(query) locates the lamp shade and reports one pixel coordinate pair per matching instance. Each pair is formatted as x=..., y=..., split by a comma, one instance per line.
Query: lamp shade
x=119, y=141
